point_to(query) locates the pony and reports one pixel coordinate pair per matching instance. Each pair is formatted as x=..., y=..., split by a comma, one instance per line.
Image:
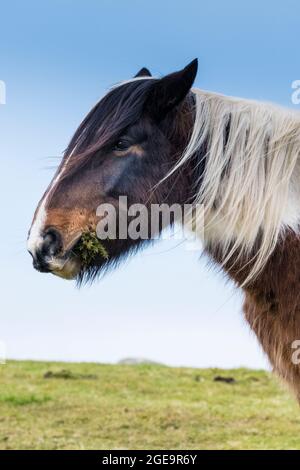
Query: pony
x=159, y=140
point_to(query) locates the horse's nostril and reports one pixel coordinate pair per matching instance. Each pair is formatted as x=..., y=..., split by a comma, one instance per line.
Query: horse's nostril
x=52, y=243
x=41, y=266
x=50, y=246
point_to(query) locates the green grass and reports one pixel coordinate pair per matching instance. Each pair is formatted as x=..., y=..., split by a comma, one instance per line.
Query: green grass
x=91, y=406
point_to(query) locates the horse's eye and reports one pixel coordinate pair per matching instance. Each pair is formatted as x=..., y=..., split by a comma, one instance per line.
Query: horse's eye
x=122, y=145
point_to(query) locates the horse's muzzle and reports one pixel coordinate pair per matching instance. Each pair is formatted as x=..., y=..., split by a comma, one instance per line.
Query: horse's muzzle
x=49, y=247
x=48, y=257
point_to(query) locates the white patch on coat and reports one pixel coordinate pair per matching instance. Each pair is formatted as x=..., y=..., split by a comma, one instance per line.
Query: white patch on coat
x=35, y=238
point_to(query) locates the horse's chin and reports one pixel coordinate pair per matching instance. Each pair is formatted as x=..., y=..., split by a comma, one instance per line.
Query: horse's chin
x=69, y=270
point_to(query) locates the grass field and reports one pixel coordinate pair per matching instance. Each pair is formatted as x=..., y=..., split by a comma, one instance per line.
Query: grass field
x=90, y=406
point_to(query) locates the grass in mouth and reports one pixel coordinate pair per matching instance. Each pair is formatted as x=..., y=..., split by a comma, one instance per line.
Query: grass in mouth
x=90, y=247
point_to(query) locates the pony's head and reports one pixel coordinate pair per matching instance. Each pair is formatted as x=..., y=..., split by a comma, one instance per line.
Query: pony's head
x=125, y=146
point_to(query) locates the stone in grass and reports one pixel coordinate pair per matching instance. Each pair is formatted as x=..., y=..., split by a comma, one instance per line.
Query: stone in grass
x=132, y=361
x=227, y=380
x=68, y=375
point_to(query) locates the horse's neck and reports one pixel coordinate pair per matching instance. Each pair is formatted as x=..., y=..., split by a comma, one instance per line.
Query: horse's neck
x=272, y=307
x=277, y=286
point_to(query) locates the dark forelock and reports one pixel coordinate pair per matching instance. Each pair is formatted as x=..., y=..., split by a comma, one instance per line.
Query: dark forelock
x=121, y=107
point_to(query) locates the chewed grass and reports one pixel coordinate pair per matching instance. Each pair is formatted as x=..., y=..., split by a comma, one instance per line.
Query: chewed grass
x=89, y=248
x=96, y=406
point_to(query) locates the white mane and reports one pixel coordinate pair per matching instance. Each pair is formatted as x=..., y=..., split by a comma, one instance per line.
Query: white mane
x=251, y=184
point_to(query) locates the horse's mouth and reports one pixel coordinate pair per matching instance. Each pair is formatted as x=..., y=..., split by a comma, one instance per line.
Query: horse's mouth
x=67, y=266
x=76, y=257
x=68, y=269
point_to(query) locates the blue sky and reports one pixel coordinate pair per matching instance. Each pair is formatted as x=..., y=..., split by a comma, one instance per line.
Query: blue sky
x=57, y=58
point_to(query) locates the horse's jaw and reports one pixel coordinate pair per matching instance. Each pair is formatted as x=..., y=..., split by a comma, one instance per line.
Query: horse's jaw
x=69, y=270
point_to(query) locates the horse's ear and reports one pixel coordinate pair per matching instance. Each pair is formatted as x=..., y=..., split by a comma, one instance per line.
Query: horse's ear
x=144, y=72
x=170, y=90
